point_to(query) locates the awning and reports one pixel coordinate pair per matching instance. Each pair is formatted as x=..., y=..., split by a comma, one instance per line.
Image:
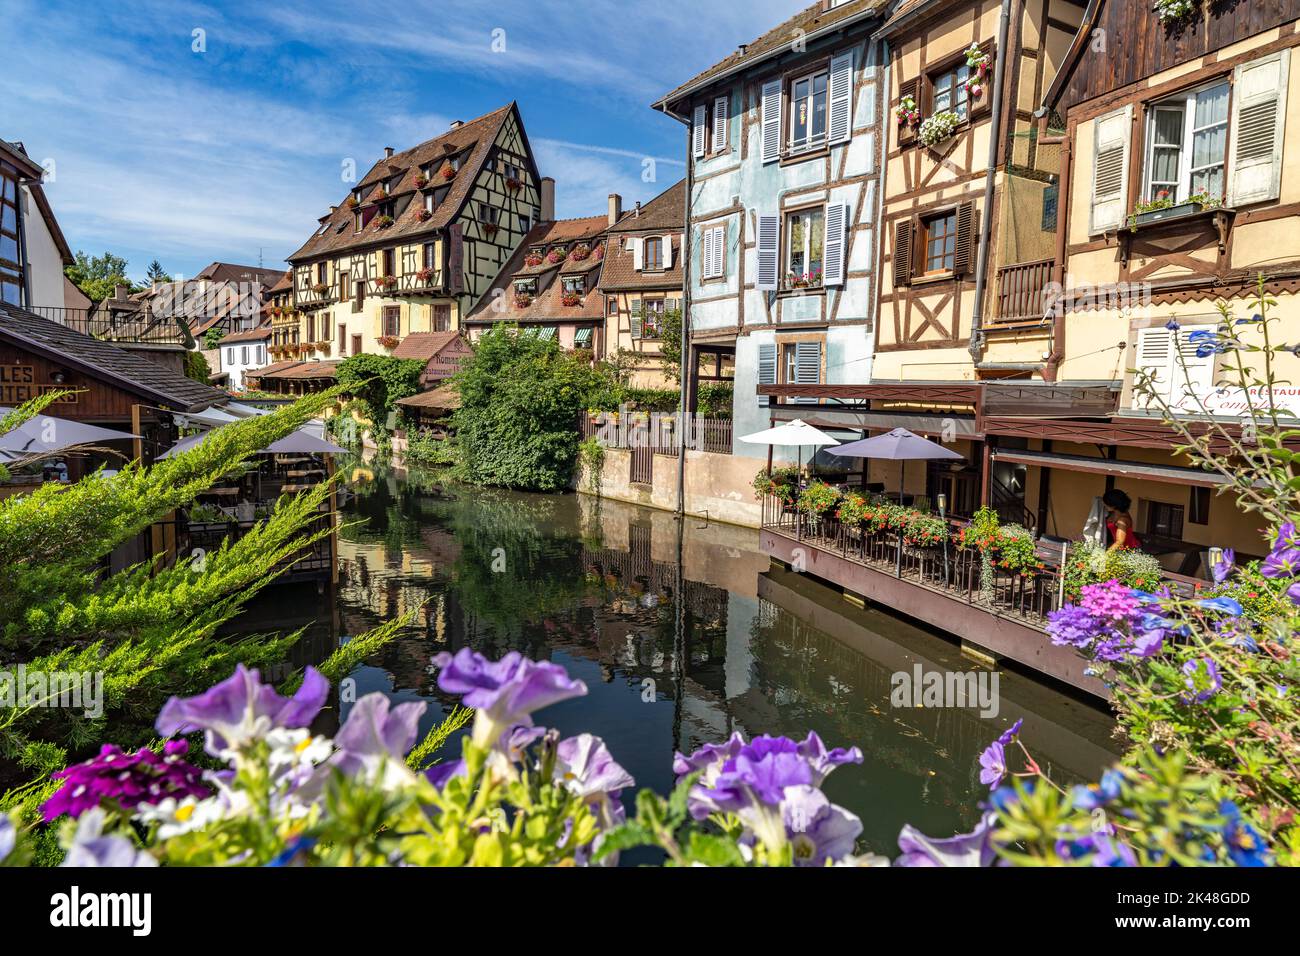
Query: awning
x=1169, y=474
x=545, y=332
x=582, y=337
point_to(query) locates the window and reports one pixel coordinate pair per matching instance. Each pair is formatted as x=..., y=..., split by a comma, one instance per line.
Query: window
x=611, y=305
x=430, y=258
x=939, y=235
x=1188, y=144
x=714, y=253
x=808, y=111
x=345, y=285
x=526, y=286
x=1199, y=506
x=487, y=213
x=356, y=345
x=806, y=230
x=390, y=262
x=343, y=340
x=230, y=355
x=429, y=204
x=322, y=272
x=311, y=328
x=525, y=222
x=948, y=91
x=575, y=285
x=1164, y=520
x=261, y=354
x=392, y=320
x=442, y=318
x=654, y=254
x=357, y=221
x=652, y=318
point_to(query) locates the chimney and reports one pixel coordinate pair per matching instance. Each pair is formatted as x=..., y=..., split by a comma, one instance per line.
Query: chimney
x=548, y=199
x=121, y=292
x=615, y=208
x=638, y=209
x=388, y=152
x=457, y=124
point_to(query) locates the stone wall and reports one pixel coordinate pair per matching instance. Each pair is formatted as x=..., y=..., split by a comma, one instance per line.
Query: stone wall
x=718, y=487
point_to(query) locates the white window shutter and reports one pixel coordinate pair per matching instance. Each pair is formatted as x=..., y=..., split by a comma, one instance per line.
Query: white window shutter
x=837, y=227
x=1154, y=354
x=1258, y=120
x=718, y=247
x=721, y=111
x=698, y=129
x=1191, y=376
x=634, y=320
x=668, y=252
x=1111, y=135
x=638, y=254
x=840, y=121
x=807, y=368
x=769, y=246
x=766, y=370
x=772, y=121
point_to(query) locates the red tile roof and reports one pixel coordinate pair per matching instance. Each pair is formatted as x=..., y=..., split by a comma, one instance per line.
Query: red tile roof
x=475, y=138
x=252, y=335
x=665, y=213
x=424, y=345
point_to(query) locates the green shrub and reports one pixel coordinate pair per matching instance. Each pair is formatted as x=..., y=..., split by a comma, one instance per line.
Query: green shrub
x=714, y=400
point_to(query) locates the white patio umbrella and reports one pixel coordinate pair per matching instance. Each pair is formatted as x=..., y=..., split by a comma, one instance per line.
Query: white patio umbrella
x=797, y=433
x=45, y=434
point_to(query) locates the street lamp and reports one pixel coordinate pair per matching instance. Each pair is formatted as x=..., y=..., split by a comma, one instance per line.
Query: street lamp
x=942, y=499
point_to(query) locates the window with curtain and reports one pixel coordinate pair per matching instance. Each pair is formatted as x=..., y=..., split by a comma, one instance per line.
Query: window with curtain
x=808, y=111
x=805, y=243
x=1187, y=139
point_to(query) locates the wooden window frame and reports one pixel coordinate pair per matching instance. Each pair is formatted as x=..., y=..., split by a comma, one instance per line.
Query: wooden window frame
x=14, y=273
x=789, y=78
x=395, y=312
x=1176, y=514
x=922, y=253
x=658, y=262
x=388, y=262
x=1144, y=138
x=787, y=233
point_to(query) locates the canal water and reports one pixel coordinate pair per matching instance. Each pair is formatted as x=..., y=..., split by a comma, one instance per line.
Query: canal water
x=595, y=585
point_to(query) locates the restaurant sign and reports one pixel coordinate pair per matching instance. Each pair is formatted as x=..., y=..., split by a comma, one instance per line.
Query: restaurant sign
x=1238, y=402
x=18, y=384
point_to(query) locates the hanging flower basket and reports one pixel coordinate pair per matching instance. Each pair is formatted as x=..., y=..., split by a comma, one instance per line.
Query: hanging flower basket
x=935, y=129
x=1174, y=11
x=389, y=341
x=979, y=62
x=385, y=282
x=907, y=112
x=571, y=299
x=425, y=276
x=383, y=222
x=580, y=252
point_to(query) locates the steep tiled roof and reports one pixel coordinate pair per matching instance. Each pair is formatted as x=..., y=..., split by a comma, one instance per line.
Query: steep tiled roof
x=252, y=335
x=104, y=360
x=665, y=213
x=336, y=231
x=620, y=273
x=424, y=345
x=233, y=272
x=549, y=305
x=299, y=370
x=809, y=20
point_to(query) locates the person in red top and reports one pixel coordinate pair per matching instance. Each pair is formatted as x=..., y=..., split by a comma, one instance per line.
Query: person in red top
x=1119, y=523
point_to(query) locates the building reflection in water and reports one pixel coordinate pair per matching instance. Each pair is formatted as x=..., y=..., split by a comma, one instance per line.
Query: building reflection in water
x=594, y=585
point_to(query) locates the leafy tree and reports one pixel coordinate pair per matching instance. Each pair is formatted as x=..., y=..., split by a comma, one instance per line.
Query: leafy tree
x=98, y=276
x=379, y=381
x=196, y=366
x=520, y=401
x=670, y=343
x=211, y=337
x=156, y=273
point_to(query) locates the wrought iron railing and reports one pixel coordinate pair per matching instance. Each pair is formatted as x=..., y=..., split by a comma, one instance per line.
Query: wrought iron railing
x=140, y=328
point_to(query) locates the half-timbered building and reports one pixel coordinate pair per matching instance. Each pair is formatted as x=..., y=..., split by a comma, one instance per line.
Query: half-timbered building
x=419, y=238
x=785, y=152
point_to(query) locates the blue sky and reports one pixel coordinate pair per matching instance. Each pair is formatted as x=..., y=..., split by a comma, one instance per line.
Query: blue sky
x=189, y=157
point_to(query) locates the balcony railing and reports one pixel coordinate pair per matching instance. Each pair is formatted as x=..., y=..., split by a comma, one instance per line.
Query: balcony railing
x=133, y=328
x=1021, y=291
x=658, y=432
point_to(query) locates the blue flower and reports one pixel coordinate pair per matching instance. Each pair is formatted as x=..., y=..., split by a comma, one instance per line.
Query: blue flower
x=1245, y=845
x=1009, y=734
x=1100, y=794
x=1224, y=605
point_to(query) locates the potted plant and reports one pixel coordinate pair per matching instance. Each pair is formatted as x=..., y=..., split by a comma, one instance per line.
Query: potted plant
x=523, y=300
x=1173, y=11
x=580, y=252
x=423, y=215
x=320, y=288
x=389, y=341
x=935, y=129
x=490, y=228
x=383, y=283
x=421, y=181
x=383, y=222
x=513, y=184
x=571, y=298
x=425, y=276
x=533, y=259
x=907, y=112
x=978, y=61
x=448, y=173
x=556, y=255
x=1164, y=206
x=352, y=202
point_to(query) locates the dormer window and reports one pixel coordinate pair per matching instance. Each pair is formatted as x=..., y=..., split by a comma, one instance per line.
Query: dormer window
x=526, y=287
x=429, y=204
x=575, y=285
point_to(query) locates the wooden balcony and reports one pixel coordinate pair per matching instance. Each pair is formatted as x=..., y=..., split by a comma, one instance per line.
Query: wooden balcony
x=1021, y=291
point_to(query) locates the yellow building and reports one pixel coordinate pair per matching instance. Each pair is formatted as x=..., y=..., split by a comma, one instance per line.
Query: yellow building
x=419, y=238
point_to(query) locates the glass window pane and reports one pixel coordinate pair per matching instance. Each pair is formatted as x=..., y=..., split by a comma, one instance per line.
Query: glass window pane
x=1164, y=165
x=1208, y=146
x=819, y=114
x=9, y=293
x=8, y=248
x=1168, y=127
x=942, y=99
x=8, y=218
x=1209, y=181
x=1212, y=105
x=8, y=188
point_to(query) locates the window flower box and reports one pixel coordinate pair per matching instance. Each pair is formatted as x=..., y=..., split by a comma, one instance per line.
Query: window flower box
x=423, y=215
x=385, y=282
x=490, y=228
x=383, y=222
x=580, y=253
x=556, y=256
x=389, y=341
x=523, y=300
x=352, y=202
x=320, y=288
x=421, y=181
x=1164, y=207
x=425, y=276
x=514, y=185
x=533, y=259
x=448, y=173
x=571, y=299
x=322, y=347
x=804, y=280
x=599, y=252
x=937, y=128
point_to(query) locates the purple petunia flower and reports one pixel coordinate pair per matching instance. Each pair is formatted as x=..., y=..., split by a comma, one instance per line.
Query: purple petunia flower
x=823, y=761
x=585, y=767
x=241, y=708
x=966, y=849
x=819, y=831
x=709, y=758
x=993, y=762
x=1202, y=678
x=376, y=734
x=125, y=780
x=505, y=692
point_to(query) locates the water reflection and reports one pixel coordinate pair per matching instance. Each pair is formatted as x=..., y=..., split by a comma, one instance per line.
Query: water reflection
x=595, y=586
